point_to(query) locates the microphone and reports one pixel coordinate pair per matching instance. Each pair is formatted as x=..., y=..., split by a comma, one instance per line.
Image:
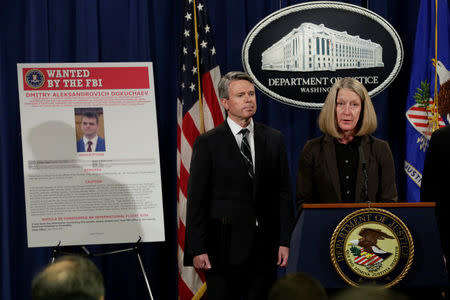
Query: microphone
x=366, y=178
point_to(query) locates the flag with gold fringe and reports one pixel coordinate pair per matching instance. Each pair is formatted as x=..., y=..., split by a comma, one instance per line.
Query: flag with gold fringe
x=428, y=102
x=199, y=110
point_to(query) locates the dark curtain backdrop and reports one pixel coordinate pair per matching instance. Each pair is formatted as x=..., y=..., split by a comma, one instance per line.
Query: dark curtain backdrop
x=36, y=31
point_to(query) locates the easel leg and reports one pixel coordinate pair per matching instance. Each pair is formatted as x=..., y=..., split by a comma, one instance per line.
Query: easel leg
x=137, y=250
x=55, y=252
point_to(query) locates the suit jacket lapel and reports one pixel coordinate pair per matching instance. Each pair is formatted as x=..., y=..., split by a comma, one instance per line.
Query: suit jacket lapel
x=331, y=163
x=260, y=142
x=234, y=148
x=230, y=139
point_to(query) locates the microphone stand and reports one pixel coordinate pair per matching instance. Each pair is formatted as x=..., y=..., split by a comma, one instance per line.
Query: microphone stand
x=366, y=177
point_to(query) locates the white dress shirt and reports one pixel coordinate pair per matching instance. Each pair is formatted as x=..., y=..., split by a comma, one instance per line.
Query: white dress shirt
x=235, y=128
x=94, y=143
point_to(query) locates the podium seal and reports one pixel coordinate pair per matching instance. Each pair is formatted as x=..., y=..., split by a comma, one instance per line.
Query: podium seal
x=372, y=245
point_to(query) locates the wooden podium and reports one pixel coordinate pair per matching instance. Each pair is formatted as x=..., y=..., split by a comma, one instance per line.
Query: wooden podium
x=310, y=242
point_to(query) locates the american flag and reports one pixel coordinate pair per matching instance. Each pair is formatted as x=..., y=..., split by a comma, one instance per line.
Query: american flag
x=200, y=75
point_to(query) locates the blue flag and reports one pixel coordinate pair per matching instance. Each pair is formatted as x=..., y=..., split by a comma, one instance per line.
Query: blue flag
x=427, y=76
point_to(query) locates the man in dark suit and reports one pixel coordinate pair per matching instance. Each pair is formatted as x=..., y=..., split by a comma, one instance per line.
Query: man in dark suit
x=434, y=186
x=90, y=142
x=239, y=208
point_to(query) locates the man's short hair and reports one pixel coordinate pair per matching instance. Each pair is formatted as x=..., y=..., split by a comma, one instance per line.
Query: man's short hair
x=90, y=115
x=225, y=81
x=297, y=286
x=70, y=278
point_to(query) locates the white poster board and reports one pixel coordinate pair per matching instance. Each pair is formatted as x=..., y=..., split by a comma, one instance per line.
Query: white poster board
x=78, y=193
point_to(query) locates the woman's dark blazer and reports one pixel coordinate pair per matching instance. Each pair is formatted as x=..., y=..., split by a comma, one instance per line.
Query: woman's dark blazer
x=318, y=177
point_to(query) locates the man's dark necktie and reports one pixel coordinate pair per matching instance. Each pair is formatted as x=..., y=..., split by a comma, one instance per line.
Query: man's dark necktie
x=89, y=149
x=246, y=153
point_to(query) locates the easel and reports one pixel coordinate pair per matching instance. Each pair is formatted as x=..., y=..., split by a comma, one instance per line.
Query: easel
x=136, y=248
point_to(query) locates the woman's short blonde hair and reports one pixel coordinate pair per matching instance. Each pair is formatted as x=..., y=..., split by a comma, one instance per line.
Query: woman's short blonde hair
x=367, y=122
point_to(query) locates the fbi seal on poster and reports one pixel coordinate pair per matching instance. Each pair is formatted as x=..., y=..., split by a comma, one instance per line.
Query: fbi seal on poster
x=34, y=78
x=372, y=246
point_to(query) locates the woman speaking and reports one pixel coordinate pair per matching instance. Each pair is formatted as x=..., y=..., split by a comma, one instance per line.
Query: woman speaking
x=346, y=164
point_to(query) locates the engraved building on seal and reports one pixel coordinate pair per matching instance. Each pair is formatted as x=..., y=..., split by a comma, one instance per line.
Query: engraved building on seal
x=312, y=47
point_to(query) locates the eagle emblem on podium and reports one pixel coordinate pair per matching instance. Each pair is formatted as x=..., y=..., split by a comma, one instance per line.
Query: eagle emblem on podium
x=366, y=251
x=372, y=245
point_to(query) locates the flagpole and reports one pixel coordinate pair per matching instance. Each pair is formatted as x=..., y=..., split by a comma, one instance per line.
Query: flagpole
x=434, y=119
x=197, y=54
x=435, y=111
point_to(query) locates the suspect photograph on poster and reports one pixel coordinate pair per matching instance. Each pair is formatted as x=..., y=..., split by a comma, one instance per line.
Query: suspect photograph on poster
x=90, y=130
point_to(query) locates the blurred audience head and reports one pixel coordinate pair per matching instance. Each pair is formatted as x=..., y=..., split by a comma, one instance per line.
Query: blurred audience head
x=369, y=292
x=69, y=278
x=297, y=286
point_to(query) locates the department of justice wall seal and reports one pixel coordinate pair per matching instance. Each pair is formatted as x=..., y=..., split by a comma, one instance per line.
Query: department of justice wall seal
x=297, y=53
x=372, y=246
x=34, y=78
